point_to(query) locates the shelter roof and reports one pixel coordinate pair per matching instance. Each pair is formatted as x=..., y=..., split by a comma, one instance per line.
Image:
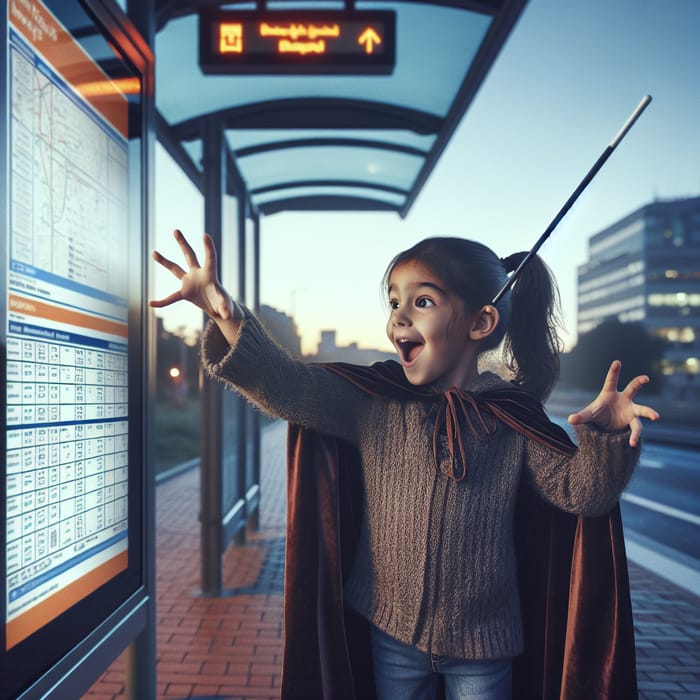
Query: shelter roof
x=331, y=142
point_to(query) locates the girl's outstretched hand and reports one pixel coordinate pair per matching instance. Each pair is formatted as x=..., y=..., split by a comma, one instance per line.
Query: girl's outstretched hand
x=200, y=284
x=613, y=409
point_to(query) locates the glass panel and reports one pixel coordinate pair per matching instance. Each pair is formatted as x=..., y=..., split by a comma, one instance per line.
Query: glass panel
x=194, y=149
x=328, y=163
x=430, y=67
x=243, y=138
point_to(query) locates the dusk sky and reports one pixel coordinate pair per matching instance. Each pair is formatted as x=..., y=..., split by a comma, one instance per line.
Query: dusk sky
x=566, y=80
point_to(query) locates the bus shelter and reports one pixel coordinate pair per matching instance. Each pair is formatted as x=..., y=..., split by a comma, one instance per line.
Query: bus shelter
x=267, y=107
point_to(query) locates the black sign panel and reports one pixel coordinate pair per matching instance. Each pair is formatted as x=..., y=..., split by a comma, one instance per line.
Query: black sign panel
x=301, y=42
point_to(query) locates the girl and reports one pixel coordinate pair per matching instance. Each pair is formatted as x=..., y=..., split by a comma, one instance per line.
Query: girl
x=441, y=451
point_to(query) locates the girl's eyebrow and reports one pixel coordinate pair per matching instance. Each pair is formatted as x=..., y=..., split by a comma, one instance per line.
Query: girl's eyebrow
x=418, y=285
x=432, y=285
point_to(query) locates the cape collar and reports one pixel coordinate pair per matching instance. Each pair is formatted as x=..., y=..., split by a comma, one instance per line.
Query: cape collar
x=455, y=411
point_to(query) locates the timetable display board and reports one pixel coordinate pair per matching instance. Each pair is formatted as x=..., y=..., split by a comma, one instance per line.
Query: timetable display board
x=67, y=418
x=69, y=327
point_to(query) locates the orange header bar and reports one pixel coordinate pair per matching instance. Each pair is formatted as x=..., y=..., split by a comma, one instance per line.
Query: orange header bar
x=40, y=28
x=38, y=309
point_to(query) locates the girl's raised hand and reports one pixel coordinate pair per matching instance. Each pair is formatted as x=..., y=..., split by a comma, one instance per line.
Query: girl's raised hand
x=200, y=284
x=613, y=409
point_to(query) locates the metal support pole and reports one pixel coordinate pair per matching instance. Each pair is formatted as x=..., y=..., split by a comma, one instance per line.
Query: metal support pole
x=256, y=264
x=254, y=519
x=140, y=666
x=242, y=412
x=211, y=506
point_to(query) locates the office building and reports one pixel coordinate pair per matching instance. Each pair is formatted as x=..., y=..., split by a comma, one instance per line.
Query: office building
x=646, y=268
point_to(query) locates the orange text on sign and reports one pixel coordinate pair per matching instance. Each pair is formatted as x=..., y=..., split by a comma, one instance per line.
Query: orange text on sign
x=295, y=31
x=230, y=37
x=301, y=47
x=368, y=39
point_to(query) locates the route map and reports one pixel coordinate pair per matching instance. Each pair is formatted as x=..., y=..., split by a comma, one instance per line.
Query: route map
x=69, y=185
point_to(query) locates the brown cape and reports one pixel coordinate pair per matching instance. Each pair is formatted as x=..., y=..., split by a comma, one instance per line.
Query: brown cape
x=572, y=571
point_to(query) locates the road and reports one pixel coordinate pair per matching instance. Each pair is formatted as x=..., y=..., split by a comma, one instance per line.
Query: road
x=661, y=511
x=662, y=500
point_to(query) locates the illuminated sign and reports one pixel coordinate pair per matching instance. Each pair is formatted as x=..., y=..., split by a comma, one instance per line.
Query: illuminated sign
x=297, y=43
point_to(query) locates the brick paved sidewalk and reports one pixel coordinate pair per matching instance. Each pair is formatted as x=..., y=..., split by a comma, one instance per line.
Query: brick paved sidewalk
x=231, y=647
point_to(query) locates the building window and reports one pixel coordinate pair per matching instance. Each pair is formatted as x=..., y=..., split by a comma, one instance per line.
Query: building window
x=620, y=238
x=677, y=299
x=686, y=334
x=608, y=290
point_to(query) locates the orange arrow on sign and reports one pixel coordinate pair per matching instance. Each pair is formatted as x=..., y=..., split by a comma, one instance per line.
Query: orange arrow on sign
x=369, y=38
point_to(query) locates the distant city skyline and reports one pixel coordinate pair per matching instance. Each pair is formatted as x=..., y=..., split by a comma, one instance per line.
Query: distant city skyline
x=564, y=83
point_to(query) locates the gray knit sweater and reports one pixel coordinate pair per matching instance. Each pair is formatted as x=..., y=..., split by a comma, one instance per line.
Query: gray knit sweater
x=435, y=567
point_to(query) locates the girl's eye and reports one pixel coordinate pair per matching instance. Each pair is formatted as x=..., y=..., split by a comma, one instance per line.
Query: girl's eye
x=393, y=304
x=424, y=302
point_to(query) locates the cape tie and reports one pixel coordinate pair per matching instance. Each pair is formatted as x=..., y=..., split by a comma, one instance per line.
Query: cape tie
x=459, y=409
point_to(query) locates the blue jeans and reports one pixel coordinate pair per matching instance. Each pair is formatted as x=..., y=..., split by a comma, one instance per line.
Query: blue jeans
x=402, y=672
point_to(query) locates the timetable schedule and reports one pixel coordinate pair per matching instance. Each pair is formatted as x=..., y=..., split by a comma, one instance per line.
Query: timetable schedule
x=67, y=459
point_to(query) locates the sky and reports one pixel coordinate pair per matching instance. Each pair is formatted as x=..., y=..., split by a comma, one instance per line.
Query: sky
x=566, y=80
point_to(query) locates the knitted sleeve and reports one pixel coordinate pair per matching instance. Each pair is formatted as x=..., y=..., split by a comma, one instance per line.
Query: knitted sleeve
x=592, y=480
x=264, y=373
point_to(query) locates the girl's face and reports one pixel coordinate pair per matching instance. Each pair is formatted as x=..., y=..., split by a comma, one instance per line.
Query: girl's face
x=429, y=329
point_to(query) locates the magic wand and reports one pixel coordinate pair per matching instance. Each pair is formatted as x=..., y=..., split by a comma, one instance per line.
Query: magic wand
x=575, y=195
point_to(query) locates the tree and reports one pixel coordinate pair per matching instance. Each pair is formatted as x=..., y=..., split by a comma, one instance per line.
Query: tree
x=640, y=353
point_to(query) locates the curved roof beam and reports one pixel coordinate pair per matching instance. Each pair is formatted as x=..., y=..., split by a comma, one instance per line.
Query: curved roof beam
x=330, y=183
x=313, y=142
x=315, y=113
x=323, y=203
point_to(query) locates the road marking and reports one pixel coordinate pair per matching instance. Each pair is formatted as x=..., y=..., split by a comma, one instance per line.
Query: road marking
x=661, y=508
x=651, y=463
x=672, y=570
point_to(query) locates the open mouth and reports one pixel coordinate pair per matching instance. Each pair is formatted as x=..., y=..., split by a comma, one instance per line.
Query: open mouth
x=408, y=350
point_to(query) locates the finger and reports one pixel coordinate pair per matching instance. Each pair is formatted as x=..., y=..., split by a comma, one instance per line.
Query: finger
x=168, y=264
x=646, y=412
x=582, y=416
x=635, y=431
x=166, y=301
x=610, y=383
x=210, y=264
x=186, y=248
x=632, y=389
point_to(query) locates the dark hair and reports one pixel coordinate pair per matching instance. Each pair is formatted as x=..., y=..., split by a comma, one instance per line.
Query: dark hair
x=528, y=312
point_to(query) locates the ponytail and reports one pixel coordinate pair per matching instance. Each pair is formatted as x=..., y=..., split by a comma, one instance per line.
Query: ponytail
x=532, y=345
